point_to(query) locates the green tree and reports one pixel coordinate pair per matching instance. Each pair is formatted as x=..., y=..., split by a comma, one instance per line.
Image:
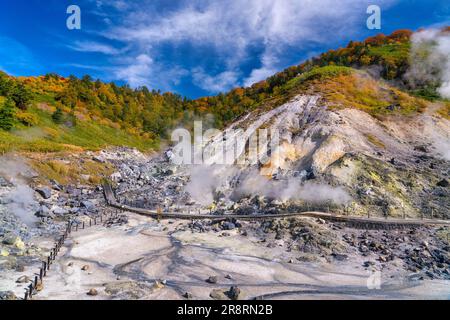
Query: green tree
x=21, y=96
x=7, y=115
x=58, y=116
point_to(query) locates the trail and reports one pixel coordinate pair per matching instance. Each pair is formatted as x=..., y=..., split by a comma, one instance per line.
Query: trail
x=367, y=222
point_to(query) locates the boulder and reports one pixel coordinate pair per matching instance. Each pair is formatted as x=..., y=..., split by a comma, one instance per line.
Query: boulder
x=23, y=279
x=88, y=205
x=60, y=211
x=233, y=293
x=44, y=192
x=212, y=279
x=218, y=294
x=245, y=210
x=99, y=159
x=228, y=225
x=187, y=295
x=56, y=186
x=7, y=295
x=443, y=183
x=116, y=177
x=11, y=239
x=92, y=292
x=339, y=256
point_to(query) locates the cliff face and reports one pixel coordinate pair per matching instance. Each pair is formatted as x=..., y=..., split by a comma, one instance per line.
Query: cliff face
x=395, y=165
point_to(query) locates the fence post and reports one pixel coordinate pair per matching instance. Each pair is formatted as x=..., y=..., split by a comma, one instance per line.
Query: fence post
x=30, y=290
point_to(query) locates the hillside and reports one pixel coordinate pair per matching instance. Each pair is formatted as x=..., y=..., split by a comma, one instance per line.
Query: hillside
x=51, y=113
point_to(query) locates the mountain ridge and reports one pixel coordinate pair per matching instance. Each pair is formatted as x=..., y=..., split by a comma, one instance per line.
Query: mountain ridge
x=50, y=113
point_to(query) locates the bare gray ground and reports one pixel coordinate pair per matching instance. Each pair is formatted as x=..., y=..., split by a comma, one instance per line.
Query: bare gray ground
x=149, y=260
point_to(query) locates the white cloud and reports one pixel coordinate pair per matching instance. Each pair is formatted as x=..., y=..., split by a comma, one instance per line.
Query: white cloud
x=136, y=73
x=233, y=29
x=215, y=83
x=91, y=46
x=143, y=71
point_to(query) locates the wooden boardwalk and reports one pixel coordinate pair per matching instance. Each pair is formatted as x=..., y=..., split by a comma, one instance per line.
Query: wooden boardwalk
x=356, y=221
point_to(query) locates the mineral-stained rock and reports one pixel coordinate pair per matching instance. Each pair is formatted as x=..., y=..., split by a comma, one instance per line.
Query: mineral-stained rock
x=10, y=239
x=40, y=286
x=127, y=289
x=92, y=292
x=158, y=285
x=218, y=294
x=4, y=252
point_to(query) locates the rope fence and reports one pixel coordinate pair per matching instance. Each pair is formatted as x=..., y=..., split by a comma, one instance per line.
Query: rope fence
x=36, y=284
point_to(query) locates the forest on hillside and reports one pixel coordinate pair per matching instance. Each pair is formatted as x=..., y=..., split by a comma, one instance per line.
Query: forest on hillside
x=150, y=114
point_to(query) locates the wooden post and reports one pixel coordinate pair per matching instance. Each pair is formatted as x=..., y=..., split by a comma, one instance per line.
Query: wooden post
x=26, y=295
x=49, y=261
x=35, y=281
x=41, y=274
x=30, y=290
x=44, y=264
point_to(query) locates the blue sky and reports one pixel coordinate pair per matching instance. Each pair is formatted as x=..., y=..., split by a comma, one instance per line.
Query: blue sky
x=193, y=47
